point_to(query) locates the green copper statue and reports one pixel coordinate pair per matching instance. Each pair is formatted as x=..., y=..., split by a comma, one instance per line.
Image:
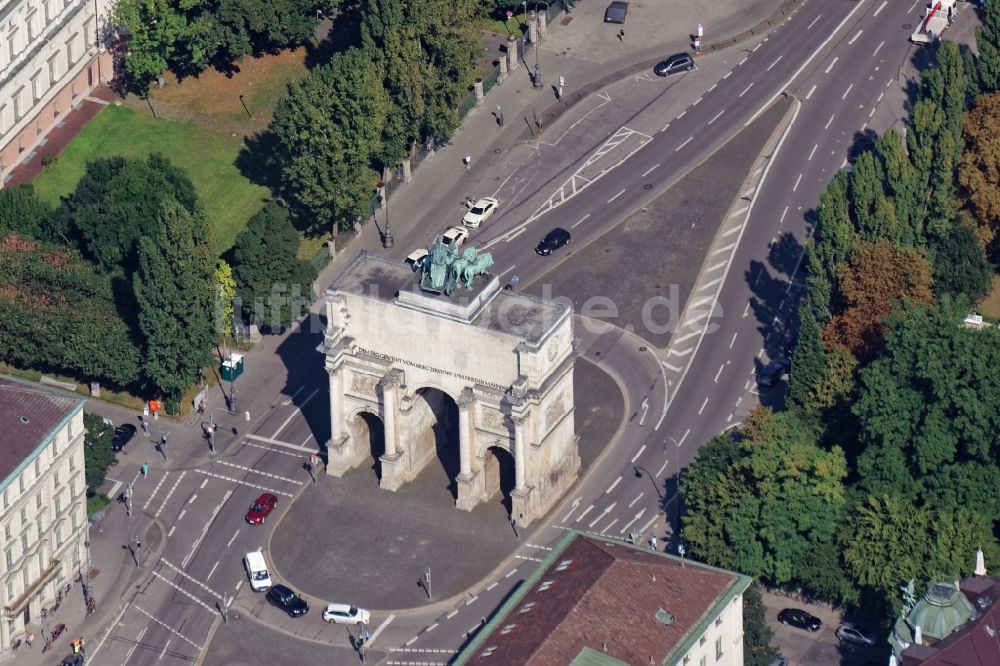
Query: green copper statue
x=445, y=269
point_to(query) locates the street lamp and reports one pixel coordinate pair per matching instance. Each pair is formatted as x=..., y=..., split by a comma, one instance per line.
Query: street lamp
x=639, y=469
x=387, y=239
x=537, y=79
x=213, y=426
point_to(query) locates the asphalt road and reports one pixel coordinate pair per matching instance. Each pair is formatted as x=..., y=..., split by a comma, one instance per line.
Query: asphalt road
x=838, y=60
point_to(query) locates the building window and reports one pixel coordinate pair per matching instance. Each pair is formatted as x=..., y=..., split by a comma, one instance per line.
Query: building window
x=41, y=563
x=702, y=641
x=38, y=501
x=10, y=589
x=12, y=45
x=17, y=99
x=9, y=557
x=58, y=505
x=6, y=532
x=72, y=463
x=55, y=478
x=74, y=520
x=38, y=461
x=718, y=621
x=32, y=22
x=718, y=648
x=72, y=488
x=24, y=516
x=41, y=530
x=6, y=501
x=703, y=661
x=24, y=543
x=58, y=536
x=47, y=7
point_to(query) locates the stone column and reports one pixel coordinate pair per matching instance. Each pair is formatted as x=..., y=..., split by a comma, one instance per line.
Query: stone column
x=336, y=405
x=519, y=453
x=512, y=60
x=468, y=483
x=533, y=29
x=393, y=461
x=503, y=69
x=389, y=403
x=478, y=87
x=542, y=24
x=407, y=170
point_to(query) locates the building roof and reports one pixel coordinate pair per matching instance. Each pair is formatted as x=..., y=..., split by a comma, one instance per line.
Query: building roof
x=977, y=642
x=597, y=601
x=29, y=416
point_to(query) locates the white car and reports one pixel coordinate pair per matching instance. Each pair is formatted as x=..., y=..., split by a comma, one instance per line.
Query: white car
x=415, y=260
x=480, y=211
x=346, y=614
x=455, y=236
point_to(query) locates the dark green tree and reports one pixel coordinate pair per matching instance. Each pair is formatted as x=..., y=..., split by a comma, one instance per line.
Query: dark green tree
x=901, y=187
x=960, y=265
x=874, y=217
x=835, y=235
x=757, y=648
x=21, y=211
x=273, y=285
x=174, y=289
x=808, y=361
x=97, y=453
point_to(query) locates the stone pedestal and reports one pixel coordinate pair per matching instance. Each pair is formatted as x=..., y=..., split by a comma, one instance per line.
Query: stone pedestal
x=339, y=458
x=407, y=170
x=503, y=68
x=512, y=59
x=478, y=88
x=469, y=493
x=393, y=476
x=523, y=506
x=542, y=25
x=533, y=29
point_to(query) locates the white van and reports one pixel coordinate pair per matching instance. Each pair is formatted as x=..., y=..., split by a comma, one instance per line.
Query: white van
x=256, y=567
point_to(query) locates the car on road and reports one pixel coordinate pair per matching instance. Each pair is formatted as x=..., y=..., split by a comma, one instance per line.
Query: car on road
x=261, y=508
x=615, y=13
x=553, y=240
x=774, y=372
x=848, y=632
x=346, y=614
x=123, y=435
x=679, y=62
x=415, y=260
x=480, y=211
x=287, y=600
x=455, y=236
x=797, y=617
x=73, y=660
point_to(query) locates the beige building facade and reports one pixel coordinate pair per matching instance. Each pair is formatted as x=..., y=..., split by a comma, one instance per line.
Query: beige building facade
x=43, y=522
x=402, y=361
x=51, y=56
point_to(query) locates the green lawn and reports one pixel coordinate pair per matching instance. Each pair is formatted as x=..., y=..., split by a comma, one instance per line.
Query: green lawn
x=208, y=158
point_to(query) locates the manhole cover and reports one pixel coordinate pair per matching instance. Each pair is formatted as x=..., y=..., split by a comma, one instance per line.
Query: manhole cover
x=647, y=186
x=906, y=26
x=497, y=150
x=642, y=349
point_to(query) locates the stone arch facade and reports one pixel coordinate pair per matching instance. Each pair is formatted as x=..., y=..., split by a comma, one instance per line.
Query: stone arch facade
x=506, y=359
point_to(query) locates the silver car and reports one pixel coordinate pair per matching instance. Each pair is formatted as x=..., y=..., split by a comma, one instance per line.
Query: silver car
x=852, y=633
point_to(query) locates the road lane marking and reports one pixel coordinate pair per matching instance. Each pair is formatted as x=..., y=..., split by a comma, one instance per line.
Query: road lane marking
x=650, y=170
x=829, y=121
x=771, y=66
x=728, y=74
x=629, y=523
x=683, y=437
x=712, y=88
x=662, y=467
x=473, y=599
x=156, y=490
x=491, y=586
x=844, y=96
x=797, y=181
x=649, y=522
x=878, y=48
x=169, y=494
x=609, y=526
x=742, y=61
x=684, y=144
x=603, y=514
x=696, y=102
x=703, y=406
x=721, y=367
x=638, y=453
x=716, y=116
x=296, y=412
x=431, y=628
x=164, y=651
x=506, y=575
x=672, y=368
x=193, y=579
x=455, y=612
x=811, y=91
x=733, y=341
x=880, y=7
x=754, y=49
x=181, y=515
x=275, y=442
x=257, y=471
x=855, y=37
x=665, y=127
x=411, y=641
x=576, y=223
x=617, y=195
x=164, y=625
x=171, y=532
x=212, y=571
x=585, y=512
x=814, y=21
x=832, y=63
x=681, y=114
x=514, y=235
x=746, y=310
x=240, y=482
x=737, y=213
x=912, y=6
x=185, y=593
x=783, y=213
x=745, y=90
x=724, y=249
x=612, y=486
x=203, y=484
x=232, y=539
x=637, y=498
x=811, y=153
x=381, y=628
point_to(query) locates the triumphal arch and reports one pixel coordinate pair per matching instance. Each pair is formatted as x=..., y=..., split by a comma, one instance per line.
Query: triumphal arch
x=398, y=340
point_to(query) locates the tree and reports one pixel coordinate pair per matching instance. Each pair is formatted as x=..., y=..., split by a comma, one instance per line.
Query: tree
x=876, y=276
x=835, y=235
x=757, y=648
x=97, y=453
x=988, y=46
x=225, y=292
x=874, y=217
x=174, y=289
x=117, y=201
x=271, y=281
x=329, y=127
x=979, y=169
x=155, y=29
x=21, y=211
x=808, y=361
x=901, y=187
x=960, y=265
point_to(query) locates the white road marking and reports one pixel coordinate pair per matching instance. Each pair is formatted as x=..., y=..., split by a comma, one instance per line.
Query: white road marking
x=811, y=91
x=912, y=6
x=716, y=116
x=275, y=442
x=844, y=96
x=604, y=513
x=609, y=526
x=257, y=471
x=696, y=102
x=829, y=121
x=745, y=90
x=212, y=571
x=733, y=341
x=855, y=37
x=156, y=489
x=662, y=467
x=296, y=412
x=777, y=60
x=491, y=586
x=712, y=88
x=170, y=533
x=185, y=593
x=507, y=575
x=878, y=48
x=165, y=646
x=507, y=271
x=166, y=626
x=629, y=523
x=728, y=74
x=514, y=235
x=684, y=144
x=455, y=612
x=681, y=114
x=585, y=512
x=638, y=453
x=797, y=181
x=181, y=515
x=746, y=310
x=721, y=367
x=739, y=211
x=240, y=482
x=431, y=628
x=754, y=49
x=573, y=507
x=574, y=225
x=811, y=153
x=616, y=196
x=650, y=522
x=172, y=489
x=724, y=249
x=650, y=170
x=612, y=486
x=233, y=539
x=881, y=7
x=381, y=627
x=683, y=437
x=783, y=213
x=637, y=498
x=703, y=406
x=742, y=61
x=193, y=579
x=832, y=63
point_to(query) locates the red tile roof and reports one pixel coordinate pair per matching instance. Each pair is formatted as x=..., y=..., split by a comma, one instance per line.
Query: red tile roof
x=27, y=416
x=977, y=643
x=606, y=598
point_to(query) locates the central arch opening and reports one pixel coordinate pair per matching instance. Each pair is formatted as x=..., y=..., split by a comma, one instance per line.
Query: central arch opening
x=500, y=475
x=434, y=417
x=368, y=427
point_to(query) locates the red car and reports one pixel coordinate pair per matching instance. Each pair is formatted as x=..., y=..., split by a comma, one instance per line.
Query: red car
x=261, y=507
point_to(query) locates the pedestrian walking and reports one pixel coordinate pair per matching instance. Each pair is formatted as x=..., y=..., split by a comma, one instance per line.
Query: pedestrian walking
x=514, y=280
x=621, y=35
x=144, y=469
x=467, y=160
x=652, y=543
x=30, y=639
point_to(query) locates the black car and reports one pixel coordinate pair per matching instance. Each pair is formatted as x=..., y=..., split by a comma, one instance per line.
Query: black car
x=284, y=598
x=123, y=435
x=615, y=13
x=679, y=62
x=774, y=372
x=553, y=240
x=73, y=660
x=797, y=617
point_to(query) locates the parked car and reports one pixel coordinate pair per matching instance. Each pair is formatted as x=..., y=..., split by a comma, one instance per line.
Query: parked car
x=287, y=600
x=455, y=236
x=679, y=62
x=261, y=508
x=346, y=614
x=774, y=372
x=797, y=617
x=415, y=260
x=553, y=240
x=615, y=13
x=480, y=211
x=848, y=632
x=123, y=435
x=73, y=660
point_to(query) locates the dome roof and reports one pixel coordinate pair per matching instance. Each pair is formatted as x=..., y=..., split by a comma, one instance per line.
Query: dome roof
x=942, y=610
